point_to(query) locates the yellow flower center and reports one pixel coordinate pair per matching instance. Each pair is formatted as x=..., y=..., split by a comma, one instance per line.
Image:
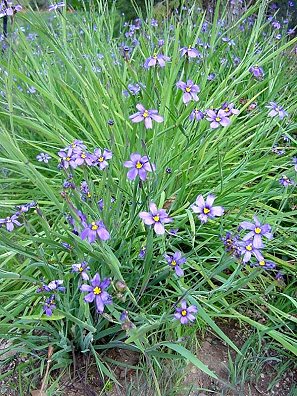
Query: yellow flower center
x=249, y=247
x=205, y=210
x=68, y=158
x=227, y=109
x=155, y=56
x=139, y=165
x=97, y=290
x=73, y=145
x=83, y=155
x=184, y=312
x=258, y=230
x=80, y=269
x=94, y=226
x=188, y=89
x=145, y=114
x=156, y=218
x=89, y=195
x=100, y=159
x=173, y=263
x=262, y=262
x=218, y=119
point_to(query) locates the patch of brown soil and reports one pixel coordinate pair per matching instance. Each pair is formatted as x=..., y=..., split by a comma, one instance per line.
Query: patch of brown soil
x=214, y=354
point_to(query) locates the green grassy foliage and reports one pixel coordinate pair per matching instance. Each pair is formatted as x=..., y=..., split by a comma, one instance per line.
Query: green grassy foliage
x=77, y=93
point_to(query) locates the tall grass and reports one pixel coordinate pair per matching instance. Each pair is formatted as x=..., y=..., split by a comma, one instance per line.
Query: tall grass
x=78, y=72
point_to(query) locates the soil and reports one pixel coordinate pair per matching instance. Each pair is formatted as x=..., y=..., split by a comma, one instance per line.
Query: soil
x=213, y=352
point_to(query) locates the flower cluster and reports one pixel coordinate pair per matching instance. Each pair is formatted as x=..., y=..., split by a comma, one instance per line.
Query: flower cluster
x=251, y=245
x=76, y=155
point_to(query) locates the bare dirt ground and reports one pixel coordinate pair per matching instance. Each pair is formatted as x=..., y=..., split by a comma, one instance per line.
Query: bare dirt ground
x=85, y=380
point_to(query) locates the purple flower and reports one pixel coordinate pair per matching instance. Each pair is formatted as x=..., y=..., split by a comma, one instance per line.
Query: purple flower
x=217, y=118
x=257, y=72
x=205, y=208
x=196, y=115
x=266, y=264
x=156, y=59
x=211, y=76
x=142, y=253
x=229, y=41
x=139, y=166
x=247, y=249
x=175, y=261
x=55, y=285
x=100, y=158
x=77, y=146
x=56, y=6
x=82, y=269
x=231, y=244
x=95, y=230
x=67, y=159
x=66, y=246
x=185, y=314
x=146, y=115
x=257, y=231
x=276, y=110
x=25, y=207
x=84, y=188
x=43, y=157
x=276, y=25
x=84, y=158
x=190, y=52
x=133, y=89
x=279, y=276
x=229, y=109
x=156, y=217
x=10, y=222
x=49, y=305
x=96, y=291
x=285, y=181
x=190, y=90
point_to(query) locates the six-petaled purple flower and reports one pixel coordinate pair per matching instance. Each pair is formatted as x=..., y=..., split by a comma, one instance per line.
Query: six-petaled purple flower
x=100, y=157
x=43, y=157
x=190, y=52
x=49, y=305
x=205, y=209
x=175, y=261
x=82, y=269
x=96, y=291
x=189, y=89
x=95, y=230
x=276, y=110
x=146, y=115
x=217, y=118
x=10, y=222
x=257, y=72
x=156, y=59
x=247, y=249
x=196, y=114
x=184, y=313
x=256, y=232
x=156, y=217
x=139, y=166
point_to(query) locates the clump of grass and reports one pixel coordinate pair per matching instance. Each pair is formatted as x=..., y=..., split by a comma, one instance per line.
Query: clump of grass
x=63, y=78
